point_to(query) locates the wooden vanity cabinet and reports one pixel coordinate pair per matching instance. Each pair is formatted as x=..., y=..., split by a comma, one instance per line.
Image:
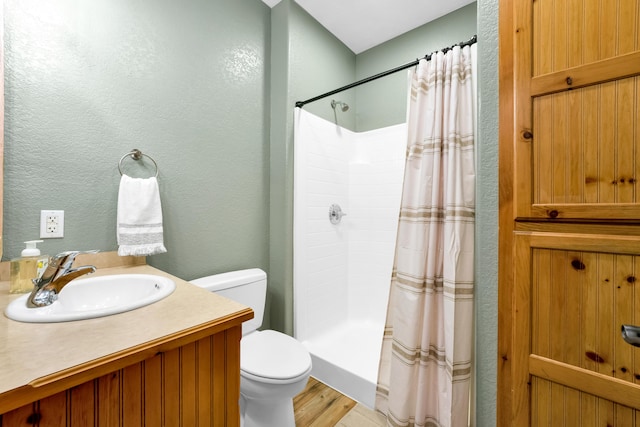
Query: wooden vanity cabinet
x=194, y=384
x=173, y=363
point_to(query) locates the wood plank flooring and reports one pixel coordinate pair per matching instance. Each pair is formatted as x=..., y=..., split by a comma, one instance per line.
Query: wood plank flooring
x=321, y=406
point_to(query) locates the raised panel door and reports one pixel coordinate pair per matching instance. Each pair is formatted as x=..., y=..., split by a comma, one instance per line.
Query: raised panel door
x=577, y=91
x=572, y=294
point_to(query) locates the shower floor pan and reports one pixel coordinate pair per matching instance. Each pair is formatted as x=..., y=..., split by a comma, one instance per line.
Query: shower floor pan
x=347, y=359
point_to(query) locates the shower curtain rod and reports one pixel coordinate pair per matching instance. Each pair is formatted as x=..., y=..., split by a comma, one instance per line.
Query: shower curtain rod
x=469, y=42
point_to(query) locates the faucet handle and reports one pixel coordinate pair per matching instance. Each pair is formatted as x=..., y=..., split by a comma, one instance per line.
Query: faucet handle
x=58, y=265
x=66, y=258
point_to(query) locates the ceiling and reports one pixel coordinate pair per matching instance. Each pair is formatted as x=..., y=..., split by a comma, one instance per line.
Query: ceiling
x=363, y=24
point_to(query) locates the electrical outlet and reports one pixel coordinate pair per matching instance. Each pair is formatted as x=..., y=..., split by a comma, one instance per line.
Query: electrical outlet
x=51, y=224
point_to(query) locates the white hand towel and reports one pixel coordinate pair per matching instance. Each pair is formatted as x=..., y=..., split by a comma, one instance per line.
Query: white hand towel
x=139, y=217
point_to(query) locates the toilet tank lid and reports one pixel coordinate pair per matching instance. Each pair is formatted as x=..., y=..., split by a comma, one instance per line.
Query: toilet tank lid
x=230, y=279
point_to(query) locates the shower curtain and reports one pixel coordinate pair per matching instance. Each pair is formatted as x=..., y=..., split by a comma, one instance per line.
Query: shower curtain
x=425, y=369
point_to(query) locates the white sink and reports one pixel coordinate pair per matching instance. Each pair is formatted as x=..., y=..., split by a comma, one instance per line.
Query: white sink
x=95, y=297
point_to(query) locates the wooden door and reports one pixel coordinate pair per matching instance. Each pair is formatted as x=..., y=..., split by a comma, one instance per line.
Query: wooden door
x=569, y=212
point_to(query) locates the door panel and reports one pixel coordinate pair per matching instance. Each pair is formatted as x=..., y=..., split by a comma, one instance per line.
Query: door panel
x=573, y=293
x=576, y=93
x=573, y=408
x=587, y=147
x=569, y=33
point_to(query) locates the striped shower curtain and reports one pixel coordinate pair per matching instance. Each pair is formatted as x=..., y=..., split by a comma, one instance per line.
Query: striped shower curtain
x=425, y=368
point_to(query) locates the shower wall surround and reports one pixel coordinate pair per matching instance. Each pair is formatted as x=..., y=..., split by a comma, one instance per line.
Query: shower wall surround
x=321, y=249
x=345, y=266
x=375, y=185
x=342, y=272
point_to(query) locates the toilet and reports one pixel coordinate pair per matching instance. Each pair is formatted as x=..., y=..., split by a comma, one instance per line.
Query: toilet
x=274, y=367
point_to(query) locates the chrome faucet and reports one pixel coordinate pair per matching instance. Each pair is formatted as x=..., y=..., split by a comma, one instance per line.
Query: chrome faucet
x=56, y=276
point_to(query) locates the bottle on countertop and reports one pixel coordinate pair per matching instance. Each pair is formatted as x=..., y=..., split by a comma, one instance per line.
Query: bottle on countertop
x=29, y=266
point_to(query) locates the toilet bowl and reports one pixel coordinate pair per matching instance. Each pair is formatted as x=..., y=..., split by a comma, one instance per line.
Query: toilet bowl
x=274, y=367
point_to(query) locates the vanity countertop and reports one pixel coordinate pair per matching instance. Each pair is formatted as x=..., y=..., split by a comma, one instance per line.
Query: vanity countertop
x=35, y=355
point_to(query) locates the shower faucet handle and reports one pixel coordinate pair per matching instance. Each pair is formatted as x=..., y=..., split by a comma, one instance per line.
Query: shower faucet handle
x=335, y=214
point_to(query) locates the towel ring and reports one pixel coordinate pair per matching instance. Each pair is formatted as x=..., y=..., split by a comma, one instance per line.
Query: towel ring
x=136, y=154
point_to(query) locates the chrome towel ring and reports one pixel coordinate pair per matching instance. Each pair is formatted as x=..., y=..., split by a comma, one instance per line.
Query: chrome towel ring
x=136, y=154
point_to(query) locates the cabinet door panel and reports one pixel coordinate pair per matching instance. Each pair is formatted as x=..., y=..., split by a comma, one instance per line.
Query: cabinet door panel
x=577, y=145
x=569, y=33
x=586, y=148
x=573, y=293
x=574, y=408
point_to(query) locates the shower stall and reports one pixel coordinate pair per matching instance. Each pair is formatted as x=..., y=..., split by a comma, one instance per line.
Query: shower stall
x=347, y=190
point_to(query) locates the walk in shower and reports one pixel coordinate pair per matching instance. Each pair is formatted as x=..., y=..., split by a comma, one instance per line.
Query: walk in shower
x=347, y=189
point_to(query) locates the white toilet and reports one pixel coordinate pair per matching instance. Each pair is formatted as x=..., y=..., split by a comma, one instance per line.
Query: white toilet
x=273, y=366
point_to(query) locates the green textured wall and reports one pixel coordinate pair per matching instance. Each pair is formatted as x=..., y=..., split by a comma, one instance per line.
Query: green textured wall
x=186, y=82
x=487, y=215
x=383, y=102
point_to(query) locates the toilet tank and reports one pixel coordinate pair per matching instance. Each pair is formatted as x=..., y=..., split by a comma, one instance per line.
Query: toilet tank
x=248, y=287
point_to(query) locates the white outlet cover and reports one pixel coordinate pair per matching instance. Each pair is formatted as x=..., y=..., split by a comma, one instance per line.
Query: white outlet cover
x=51, y=224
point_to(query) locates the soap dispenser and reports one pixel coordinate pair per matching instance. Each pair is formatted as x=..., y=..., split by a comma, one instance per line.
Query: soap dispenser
x=29, y=266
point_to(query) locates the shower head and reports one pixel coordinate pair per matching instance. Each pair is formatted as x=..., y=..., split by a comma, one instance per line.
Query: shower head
x=334, y=104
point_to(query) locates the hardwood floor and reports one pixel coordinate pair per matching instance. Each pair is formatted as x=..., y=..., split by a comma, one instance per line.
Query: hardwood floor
x=321, y=406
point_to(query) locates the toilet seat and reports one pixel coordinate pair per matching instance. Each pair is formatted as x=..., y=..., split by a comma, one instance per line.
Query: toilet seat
x=273, y=357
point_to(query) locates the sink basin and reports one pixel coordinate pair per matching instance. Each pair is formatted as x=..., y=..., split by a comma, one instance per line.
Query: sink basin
x=95, y=297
